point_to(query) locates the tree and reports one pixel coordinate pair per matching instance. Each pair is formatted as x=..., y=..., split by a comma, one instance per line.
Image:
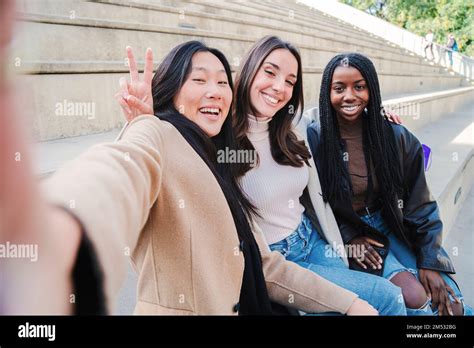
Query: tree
x=418, y=16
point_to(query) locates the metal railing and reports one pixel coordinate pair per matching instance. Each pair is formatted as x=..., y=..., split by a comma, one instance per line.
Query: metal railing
x=409, y=41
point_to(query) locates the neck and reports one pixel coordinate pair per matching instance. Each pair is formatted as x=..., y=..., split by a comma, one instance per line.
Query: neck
x=350, y=128
x=258, y=128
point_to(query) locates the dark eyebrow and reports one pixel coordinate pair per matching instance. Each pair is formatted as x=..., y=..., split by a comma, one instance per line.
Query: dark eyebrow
x=342, y=83
x=278, y=68
x=201, y=68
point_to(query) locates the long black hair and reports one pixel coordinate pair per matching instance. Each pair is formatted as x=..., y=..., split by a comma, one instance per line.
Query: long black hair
x=378, y=137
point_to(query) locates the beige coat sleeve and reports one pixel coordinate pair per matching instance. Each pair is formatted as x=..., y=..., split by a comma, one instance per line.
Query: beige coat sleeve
x=294, y=286
x=110, y=190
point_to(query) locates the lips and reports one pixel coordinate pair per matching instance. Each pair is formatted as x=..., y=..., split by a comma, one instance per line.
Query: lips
x=211, y=112
x=270, y=99
x=350, y=108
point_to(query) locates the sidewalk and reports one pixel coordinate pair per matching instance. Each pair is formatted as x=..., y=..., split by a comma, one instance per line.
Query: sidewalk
x=460, y=247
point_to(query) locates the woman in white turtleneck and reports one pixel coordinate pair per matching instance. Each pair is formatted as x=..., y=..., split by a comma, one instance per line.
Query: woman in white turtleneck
x=283, y=184
x=274, y=188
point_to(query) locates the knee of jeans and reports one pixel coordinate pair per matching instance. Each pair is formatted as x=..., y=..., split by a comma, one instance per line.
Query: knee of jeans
x=392, y=291
x=393, y=302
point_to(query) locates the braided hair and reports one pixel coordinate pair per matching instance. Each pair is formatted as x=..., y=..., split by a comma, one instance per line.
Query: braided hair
x=378, y=138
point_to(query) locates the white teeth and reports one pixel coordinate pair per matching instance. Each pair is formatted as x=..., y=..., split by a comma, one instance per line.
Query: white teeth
x=270, y=99
x=210, y=110
x=350, y=108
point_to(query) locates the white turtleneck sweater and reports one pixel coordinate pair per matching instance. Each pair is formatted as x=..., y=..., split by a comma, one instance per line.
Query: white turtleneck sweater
x=273, y=188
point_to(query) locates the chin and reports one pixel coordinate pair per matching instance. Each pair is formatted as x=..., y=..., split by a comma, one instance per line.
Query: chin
x=266, y=113
x=212, y=131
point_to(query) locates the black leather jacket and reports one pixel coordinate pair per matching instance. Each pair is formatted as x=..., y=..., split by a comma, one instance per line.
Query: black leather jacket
x=416, y=222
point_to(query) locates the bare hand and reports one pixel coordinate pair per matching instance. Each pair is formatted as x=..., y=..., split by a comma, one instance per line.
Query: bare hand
x=437, y=289
x=135, y=97
x=394, y=118
x=369, y=256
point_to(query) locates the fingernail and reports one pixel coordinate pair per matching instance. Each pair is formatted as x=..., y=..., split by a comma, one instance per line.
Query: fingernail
x=148, y=49
x=127, y=48
x=125, y=95
x=380, y=267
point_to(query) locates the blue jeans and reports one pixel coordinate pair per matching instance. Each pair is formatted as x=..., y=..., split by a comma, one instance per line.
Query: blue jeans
x=401, y=258
x=450, y=56
x=306, y=248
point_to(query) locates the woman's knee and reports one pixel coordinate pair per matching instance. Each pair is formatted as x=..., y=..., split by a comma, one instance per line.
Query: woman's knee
x=413, y=292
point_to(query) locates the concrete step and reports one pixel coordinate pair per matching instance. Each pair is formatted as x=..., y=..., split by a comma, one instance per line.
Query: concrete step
x=324, y=26
x=42, y=31
x=66, y=105
x=306, y=14
x=85, y=71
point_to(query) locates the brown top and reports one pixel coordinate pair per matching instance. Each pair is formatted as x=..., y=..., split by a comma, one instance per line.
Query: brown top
x=352, y=134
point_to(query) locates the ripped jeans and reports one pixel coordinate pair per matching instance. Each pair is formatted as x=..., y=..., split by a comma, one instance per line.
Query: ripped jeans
x=306, y=248
x=401, y=259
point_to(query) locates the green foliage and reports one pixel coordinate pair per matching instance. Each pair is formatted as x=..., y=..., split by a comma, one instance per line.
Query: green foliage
x=418, y=16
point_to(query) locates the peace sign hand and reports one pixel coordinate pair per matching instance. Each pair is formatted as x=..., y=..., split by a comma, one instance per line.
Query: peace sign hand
x=135, y=97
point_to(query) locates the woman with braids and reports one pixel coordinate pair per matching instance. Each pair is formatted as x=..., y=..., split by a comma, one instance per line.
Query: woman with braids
x=283, y=184
x=372, y=174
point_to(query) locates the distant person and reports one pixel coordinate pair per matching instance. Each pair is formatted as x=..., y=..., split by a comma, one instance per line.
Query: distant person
x=452, y=46
x=429, y=44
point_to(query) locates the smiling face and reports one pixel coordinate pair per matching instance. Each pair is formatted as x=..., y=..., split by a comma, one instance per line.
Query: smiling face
x=205, y=96
x=273, y=84
x=349, y=93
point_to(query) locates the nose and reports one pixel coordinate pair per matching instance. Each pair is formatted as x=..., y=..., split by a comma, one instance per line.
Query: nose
x=278, y=85
x=349, y=95
x=213, y=91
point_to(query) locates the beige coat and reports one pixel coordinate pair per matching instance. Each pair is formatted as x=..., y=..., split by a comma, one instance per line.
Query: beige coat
x=150, y=196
